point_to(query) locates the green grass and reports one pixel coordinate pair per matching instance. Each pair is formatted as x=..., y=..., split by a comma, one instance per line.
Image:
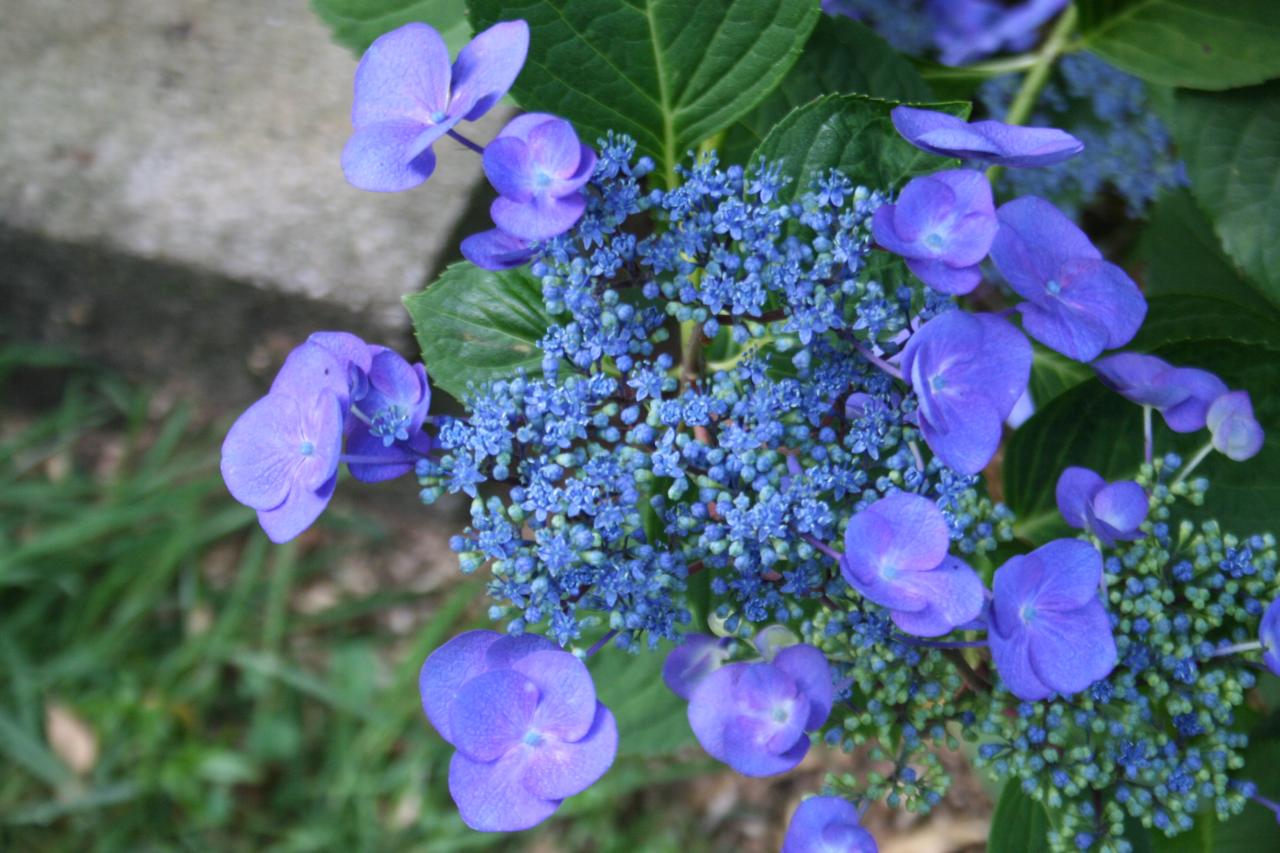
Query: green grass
x=136, y=595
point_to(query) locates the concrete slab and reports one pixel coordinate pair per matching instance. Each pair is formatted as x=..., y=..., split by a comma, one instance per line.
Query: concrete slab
x=207, y=133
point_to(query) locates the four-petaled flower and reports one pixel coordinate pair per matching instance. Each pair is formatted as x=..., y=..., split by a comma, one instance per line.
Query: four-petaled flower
x=524, y=718
x=896, y=555
x=1110, y=511
x=407, y=97
x=967, y=371
x=1235, y=432
x=1050, y=632
x=943, y=224
x=1077, y=303
x=827, y=825
x=985, y=141
x=756, y=717
x=1182, y=395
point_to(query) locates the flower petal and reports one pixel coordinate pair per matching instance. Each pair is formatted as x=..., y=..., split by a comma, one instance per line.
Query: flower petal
x=945, y=278
x=1122, y=506
x=540, y=219
x=509, y=166
x=448, y=668
x=555, y=148
x=1071, y=574
x=496, y=250
x=826, y=824
x=557, y=769
x=567, y=697
x=297, y=513
x=955, y=597
x=1068, y=652
x=1074, y=494
x=492, y=713
x=697, y=656
x=390, y=156
x=1013, y=662
x=1201, y=388
x=486, y=68
x=809, y=669
x=491, y=796
x=403, y=75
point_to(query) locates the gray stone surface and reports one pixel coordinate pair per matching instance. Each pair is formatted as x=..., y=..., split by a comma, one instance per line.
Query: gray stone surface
x=206, y=133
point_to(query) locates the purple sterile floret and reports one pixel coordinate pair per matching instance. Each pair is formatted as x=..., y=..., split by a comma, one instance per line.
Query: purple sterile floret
x=1050, y=632
x=1182, y=395
x=896, y=555
x=697, y=656
x=524, y=718
x=827, y=825
x=388, y=429
x=496, y=250
x=1235, y=432
x=538, y=167
x=986, y=141
x=1269, y=636
x=943, y=224
x=966, y=30
x=1077, y=303
x=407, y=96
x=967, y=371
x=1112, y=512
x=281, y=458
x=756, y=717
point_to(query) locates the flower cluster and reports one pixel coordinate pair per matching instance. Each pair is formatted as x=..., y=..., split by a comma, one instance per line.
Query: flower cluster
x=738, y=373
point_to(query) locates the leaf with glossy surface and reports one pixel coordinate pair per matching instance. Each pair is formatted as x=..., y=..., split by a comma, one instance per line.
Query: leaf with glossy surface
x=1231, y=144
x=841, y=57
x=1019, y=823
x=475, y=325
x=852, y=133
x=669, y=73
x=651, y=719
x=1200, y=44
x=1053, y=374
x=356, y=23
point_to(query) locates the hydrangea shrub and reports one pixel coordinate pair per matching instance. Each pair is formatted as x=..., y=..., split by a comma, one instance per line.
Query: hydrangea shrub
x=783, y=424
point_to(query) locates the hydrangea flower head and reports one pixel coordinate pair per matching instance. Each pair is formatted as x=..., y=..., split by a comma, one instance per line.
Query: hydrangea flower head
x=967, y=370
x=1269, y=636
x=524, y=719
x=538, y=167
x=1077, y=303
x=827, y=825
x=1235, y=431
x=756, y=717
x=984, y=141
x=1110, y=511
x=1050, y=632
x=896, y=555
x=1182, y=395
x=407, y=96
x=697, y=656
x=943, y=224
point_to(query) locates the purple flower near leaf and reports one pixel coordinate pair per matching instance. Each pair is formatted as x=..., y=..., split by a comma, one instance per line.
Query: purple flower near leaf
x=697, y=656
x=985, y=141
x=1182, y=395
x=524, y=719
x=967, y=370
x=1077, y=303
x=496, y=250
x=1269, y=636
x=943, y=224
x=1050, y=632
x=1110, y=511
x=538, y=167
x=281, y=458
x=827, y=825
x=756, y=717
x=1235, y=432
x=896, y=555
x=407, y=96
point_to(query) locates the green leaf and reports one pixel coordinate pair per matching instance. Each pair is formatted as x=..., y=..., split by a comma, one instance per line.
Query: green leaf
x=1252, y=830
x=852, y=133
x=841, y=57
x=1231, y=144
x=1053, y=374
x=356, y=23
x=1097, y=428
x=651, y=719
x=670, y=73
x=1200, y=44
x=1019, y=823
x=474, y=325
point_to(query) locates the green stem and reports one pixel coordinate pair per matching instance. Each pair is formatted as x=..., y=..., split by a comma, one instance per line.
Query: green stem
x=1038, y=74
x=1191, y=466
x=690, y=352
